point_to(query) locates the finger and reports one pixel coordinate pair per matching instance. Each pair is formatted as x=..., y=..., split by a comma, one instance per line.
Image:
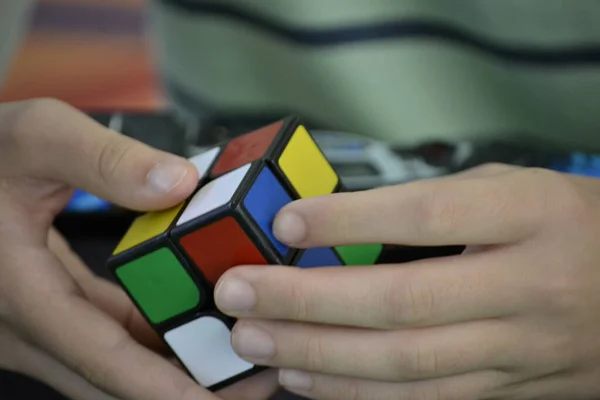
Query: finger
x=71, y=260
x=258, y=387
x=38, y=365
x=24, y=358
x=474, y=386
x=94, y=345
x=109, y=298
x=105, y=295
x=439, y=212
x=49, y=139
x=392, y=356
x=417, y=294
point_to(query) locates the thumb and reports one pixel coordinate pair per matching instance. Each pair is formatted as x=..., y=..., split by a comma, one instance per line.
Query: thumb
x=51, y=140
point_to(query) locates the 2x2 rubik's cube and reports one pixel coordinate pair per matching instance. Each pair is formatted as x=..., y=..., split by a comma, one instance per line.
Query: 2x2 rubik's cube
x=168, y=262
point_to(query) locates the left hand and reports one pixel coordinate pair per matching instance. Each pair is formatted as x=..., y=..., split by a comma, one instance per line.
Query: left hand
x=26, y=358
x=517, y=316
x=59, y=323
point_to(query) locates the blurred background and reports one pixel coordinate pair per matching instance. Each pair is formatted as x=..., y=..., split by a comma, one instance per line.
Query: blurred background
x=92, y=54
x=95, y=55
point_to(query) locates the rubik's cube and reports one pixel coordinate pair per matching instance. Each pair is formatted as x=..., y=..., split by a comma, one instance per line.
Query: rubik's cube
x=168, y=262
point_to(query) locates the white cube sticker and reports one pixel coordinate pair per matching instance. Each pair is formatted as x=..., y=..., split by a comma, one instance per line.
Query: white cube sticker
x=204, y=347
x=214, y=195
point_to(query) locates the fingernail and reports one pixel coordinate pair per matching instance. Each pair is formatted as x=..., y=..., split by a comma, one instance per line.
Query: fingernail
x=234, y=295
x=166, y=175
x=252, y=343
x=295, y=380
x=289, y=228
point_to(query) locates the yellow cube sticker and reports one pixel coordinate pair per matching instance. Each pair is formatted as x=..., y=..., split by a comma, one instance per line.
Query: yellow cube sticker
x=306, y=167
x=147, y=226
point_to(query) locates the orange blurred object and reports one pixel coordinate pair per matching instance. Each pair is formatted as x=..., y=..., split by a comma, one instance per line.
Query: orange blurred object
x=93, y=67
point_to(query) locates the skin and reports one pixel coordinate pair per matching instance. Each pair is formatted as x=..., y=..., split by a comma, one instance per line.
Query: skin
x=516, y=316
x=59, y=323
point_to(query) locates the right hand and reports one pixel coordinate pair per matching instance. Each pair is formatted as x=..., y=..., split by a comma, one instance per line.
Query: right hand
x=59, y=323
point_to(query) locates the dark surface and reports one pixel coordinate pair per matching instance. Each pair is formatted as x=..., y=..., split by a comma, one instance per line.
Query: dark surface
x=17, y=387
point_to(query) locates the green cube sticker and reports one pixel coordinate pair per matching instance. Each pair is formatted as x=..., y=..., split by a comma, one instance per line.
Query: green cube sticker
x=160, y=285
x=361, y=254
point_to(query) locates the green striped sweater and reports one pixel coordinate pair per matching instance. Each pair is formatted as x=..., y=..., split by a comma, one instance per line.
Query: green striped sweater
x=401, y=70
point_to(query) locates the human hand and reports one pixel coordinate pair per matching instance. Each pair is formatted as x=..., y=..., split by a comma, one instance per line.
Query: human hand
x=58, y=322
x=516, y=316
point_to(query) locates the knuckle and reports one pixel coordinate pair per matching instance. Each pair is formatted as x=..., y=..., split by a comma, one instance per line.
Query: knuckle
x=436, y=211
x=561, y=292
x=315, y=353
x=559, y=350
x=109, y=159
x=561, y=196
x=18, y=118
x=572, y=203
x=38, y=108
x=300, y=303
x=406, y=303
x=412, y=360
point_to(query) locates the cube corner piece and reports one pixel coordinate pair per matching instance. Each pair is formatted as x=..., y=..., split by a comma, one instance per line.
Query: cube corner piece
x=291, y=151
